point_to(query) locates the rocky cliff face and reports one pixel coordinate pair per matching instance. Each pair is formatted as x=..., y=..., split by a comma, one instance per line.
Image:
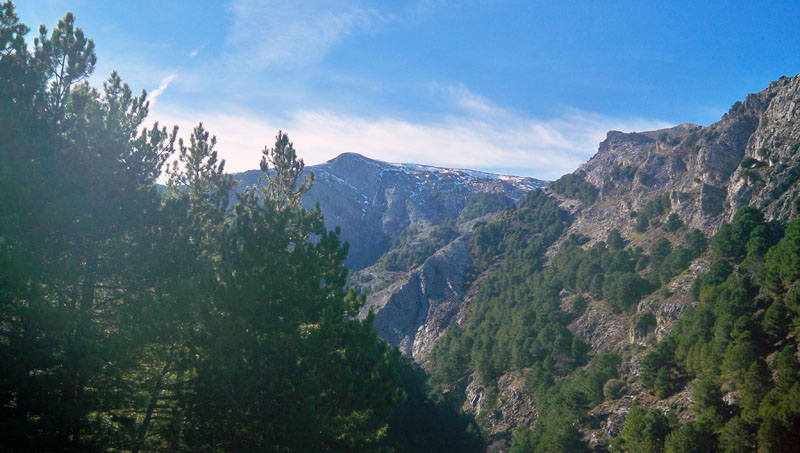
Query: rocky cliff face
x=412, y=312
x=749, y=157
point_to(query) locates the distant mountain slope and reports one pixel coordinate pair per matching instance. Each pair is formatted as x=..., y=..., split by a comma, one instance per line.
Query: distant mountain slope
x=373, y=201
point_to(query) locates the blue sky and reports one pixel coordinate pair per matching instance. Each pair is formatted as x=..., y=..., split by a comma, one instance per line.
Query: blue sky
x=519, y=87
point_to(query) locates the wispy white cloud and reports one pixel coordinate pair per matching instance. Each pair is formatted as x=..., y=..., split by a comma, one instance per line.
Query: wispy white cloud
x=288, y=32
x=195, y=52
x=161, y=87
x=482, y=136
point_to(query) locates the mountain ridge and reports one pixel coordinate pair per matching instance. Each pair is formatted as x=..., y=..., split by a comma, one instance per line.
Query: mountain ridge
x=372, y=200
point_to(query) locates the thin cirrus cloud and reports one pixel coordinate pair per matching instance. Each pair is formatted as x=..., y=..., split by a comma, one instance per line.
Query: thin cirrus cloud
x=291, y=32
x=153, y=96
x=477, y=135
x=296, y=36
x=195, y=52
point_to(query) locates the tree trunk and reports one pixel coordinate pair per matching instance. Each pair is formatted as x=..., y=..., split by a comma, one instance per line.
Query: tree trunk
x=154, y=396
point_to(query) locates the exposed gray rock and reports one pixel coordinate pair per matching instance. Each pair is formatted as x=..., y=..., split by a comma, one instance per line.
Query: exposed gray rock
x=602, y=329
x=513, y=407
x=414, y=311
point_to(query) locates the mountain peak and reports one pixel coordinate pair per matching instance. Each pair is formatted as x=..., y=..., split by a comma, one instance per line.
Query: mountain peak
x=350, y=157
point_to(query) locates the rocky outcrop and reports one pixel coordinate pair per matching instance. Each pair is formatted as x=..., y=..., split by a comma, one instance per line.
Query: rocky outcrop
x=750, y=156
x=413, y=312
x=769, y=174
x=513, y=406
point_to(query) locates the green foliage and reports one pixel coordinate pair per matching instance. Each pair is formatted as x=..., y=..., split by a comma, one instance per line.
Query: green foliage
x=613, y=389
x=719, y=272
x=722, y=342
x=482, y=203
x=603, y=274
x=674, y=262
x=573, y=185
x=450, y=356
x=528, y=229
x=777, y=320
x=420, y=423
x=644, y=431
x=749, y=162
x=674, y=222
x=731, y=240
x=615, y=241
x=523, y=441
x=660, y=250
x=696, y=242
x=653, y=209
x=736, y=109
x=657, y=206
x=136, y=319
x=653, y=363
x=622, y=290
x=407, y=253
x=444, y=232
x=737, y=436
x=782, y=262
x=560, y=404
x=664, y=383
x=516, y=319
x=623, y=172
x=579, y=305
x=694, y=436
x=779, y=411
x=707, y=397
x=642, y=223
x=561, y=436
x=643, y=322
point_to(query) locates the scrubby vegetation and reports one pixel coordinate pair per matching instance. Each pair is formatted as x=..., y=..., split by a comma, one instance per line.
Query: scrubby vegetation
x=652, y=210
x=482, y=203
x=407, y=251
x=740, y=339
x=573, y=185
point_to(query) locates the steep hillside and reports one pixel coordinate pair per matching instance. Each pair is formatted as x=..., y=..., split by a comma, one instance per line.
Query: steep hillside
x=639, y=214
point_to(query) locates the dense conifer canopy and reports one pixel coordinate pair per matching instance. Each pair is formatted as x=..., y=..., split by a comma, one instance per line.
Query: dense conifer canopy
x=138, y=318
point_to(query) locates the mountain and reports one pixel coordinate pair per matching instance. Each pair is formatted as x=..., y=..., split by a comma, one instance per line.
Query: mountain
x=700, y=176
x=409, y=228
x=373, y=201
x=487, y=280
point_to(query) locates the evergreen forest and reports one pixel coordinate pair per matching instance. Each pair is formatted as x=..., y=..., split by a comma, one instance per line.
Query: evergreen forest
x=143, y=317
